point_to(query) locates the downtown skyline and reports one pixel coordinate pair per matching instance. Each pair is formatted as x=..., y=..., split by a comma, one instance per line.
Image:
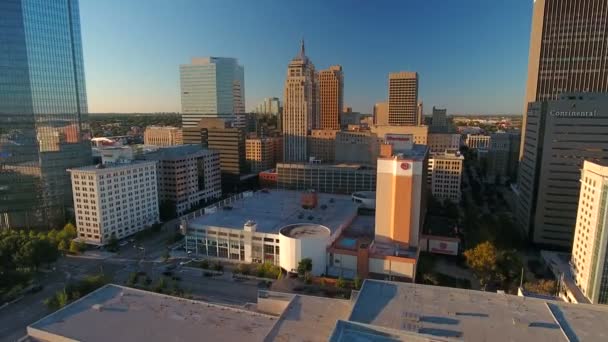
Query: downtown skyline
x=471, y=57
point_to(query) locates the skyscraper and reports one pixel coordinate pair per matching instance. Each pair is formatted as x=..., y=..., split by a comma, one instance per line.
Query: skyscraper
x=560, y=135
x=270, y=105
x=403, y=98
x=568, y=50
x=43, y=111
x=589, y=259
x=210, y=87
x=381, y=113
x=301, y=108
x=331, y=99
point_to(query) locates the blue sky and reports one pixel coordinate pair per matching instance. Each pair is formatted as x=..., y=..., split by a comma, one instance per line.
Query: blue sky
x=471, y=54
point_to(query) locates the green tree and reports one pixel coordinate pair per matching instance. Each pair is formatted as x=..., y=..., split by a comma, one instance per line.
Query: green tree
x=357, y=283
x=483, y=261
x=74, y=247
x=304, y=266
x=62, y=298
x=62, y=246
x=341, y=283
x=112, y=244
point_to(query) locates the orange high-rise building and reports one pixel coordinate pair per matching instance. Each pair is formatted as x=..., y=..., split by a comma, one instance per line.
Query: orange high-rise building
x=331, y=91
x=400, y=196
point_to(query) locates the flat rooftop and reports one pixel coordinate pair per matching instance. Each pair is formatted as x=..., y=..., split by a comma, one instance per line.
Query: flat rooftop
x=449, y=313
x=110, y=166
x=176, y=152
x=128, y=315
x=272, y=210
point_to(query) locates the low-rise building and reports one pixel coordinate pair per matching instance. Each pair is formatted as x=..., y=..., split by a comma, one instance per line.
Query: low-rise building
x=163, y=136
x=188, y=176
x=114, y=200
x=419, y=133
x=340, y=178
x=381, y=311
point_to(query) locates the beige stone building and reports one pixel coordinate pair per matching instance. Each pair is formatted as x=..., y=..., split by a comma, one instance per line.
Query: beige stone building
x=477, y=141
x=568, y=50
x=588, y=262
x=301, y=107
x=331, y=97
x=163, y=136
x=403, y=98
x=262, y=153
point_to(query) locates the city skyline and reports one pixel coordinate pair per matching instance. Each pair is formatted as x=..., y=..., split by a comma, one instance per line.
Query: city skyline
x=482, y=50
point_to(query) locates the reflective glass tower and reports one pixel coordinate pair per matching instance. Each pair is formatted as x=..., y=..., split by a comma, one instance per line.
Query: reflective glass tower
x=43, y=109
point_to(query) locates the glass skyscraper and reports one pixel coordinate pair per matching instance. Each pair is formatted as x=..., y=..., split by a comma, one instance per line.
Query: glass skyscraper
x=43, y=111
x=210, y=87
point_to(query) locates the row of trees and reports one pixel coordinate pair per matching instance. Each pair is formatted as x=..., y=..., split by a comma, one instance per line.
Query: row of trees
x=76, y=290
x=120, y=124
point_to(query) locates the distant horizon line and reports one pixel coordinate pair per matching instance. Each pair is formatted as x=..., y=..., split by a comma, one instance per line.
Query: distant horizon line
x=429, y=114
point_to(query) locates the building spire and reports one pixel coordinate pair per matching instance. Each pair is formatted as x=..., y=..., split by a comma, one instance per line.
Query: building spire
x=302, y=50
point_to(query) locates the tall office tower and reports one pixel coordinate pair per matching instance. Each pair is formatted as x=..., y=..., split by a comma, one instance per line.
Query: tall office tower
x=114, y=200
x=440, y=120
x=43, y=111
x=331, y=97
x=400, y=194
x=568, y=50
x=381, y=113
x=163, y=136
x=270, y=105
x=420, y=110
x=210, y=87
x=220, y=135
x=589, y=259
x=403, y=98
x=560, y=134
x=301, y=108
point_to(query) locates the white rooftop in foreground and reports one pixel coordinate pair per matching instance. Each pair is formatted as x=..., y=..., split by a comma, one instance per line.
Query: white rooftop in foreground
x=129, y=315
x=276, y=209
x=382, y=311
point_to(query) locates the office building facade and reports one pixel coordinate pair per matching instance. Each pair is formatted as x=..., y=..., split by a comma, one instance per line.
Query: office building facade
x=403, y=98
x=114, y=200
x=477, y=141
x=332, y=178
x=163, y=136
x=440, y=120
x=441, y=142
x=262, y=153
x=589, y=259
x=219, y=135
x=503, y=157
x=331, y=97
x=357, y=147
x=188, y=176
x=301, y=107
x=560, y=134
x=43, y=111
x=568, y=50
x=322, y=145
x=210, y=87
x=419, y=134
x=445, y=171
